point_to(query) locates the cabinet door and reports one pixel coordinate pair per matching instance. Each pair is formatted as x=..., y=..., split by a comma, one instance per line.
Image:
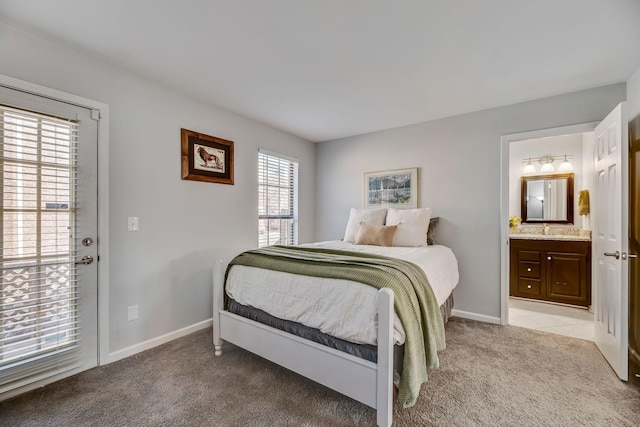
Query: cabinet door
x=566, y=278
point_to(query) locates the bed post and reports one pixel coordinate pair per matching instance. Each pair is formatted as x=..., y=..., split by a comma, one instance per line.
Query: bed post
x=384, y=393
x=218, y=303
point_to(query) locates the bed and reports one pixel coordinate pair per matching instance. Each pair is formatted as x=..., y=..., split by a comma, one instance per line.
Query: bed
x=299, y=322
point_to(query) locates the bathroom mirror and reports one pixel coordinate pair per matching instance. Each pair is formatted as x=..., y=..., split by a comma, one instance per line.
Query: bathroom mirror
x=547, y=198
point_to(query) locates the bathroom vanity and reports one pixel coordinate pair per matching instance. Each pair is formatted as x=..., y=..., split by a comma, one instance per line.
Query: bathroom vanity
x=555, y=268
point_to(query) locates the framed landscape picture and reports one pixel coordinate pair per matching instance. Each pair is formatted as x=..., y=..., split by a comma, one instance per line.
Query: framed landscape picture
x=391, y=189
x=206, y=158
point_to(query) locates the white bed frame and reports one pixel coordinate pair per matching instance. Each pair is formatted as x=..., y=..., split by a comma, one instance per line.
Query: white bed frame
x=362, y=380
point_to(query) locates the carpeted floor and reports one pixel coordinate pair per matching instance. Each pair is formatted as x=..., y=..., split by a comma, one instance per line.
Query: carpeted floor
x=490, y=376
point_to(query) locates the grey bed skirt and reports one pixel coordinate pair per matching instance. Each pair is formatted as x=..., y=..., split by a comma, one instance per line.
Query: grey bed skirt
x=363, y=351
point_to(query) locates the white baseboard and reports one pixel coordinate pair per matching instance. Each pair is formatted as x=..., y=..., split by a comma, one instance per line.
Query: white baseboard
x=475, y=316
x=154, y=342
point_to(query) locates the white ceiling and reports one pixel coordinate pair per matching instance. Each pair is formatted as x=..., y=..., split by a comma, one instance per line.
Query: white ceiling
x=324, y=69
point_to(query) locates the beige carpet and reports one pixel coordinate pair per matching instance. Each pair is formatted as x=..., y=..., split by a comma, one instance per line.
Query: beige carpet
x=489, y=376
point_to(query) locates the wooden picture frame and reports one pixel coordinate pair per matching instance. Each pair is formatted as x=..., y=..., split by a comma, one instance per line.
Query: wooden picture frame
x=391, y=189
x=206, y=158
x=549, y=186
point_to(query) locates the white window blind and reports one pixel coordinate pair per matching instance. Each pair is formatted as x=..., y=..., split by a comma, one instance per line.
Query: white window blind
x=39, y=326
x=277, y=199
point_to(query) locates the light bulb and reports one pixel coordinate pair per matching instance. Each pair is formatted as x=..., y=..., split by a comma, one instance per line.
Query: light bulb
x=565, y=166
x=529, y=168
x=547, y=167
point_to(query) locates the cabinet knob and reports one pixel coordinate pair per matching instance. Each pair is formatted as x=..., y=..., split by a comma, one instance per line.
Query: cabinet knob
x=528, y=286
x=549, y=258
x=529, y=269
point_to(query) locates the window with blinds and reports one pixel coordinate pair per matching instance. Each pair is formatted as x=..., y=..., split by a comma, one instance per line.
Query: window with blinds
x=38, y=292
x=277, y=199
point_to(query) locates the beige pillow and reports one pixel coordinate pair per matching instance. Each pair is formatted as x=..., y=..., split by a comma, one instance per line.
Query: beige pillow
x=378, y=235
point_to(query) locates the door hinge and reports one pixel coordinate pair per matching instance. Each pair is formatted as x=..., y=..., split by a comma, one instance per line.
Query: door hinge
x=95, y=114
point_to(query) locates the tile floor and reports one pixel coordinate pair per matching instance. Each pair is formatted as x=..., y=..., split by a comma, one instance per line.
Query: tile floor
x=557, y=319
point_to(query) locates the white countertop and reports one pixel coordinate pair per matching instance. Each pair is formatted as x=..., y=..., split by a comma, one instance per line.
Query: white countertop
x=564, y=237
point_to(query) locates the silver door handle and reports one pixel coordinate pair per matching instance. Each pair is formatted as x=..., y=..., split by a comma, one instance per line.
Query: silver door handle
x=85, y=260
x=626, y=255
x=615, y=254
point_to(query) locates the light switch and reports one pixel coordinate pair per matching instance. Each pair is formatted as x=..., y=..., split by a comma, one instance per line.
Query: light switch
x=133, y=223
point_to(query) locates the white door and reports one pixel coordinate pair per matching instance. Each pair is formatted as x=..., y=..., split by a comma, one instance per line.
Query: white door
x=610, y=240
x=48, y=204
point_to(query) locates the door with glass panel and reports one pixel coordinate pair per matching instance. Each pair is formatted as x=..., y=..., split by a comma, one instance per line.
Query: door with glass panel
x=48, y=258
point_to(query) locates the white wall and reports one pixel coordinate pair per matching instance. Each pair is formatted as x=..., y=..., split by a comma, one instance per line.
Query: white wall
x=633, y=95
x=459, y=161
x=165, y=267
x=570, y=145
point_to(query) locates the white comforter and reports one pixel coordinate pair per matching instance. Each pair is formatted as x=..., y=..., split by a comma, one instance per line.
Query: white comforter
x=341, y=308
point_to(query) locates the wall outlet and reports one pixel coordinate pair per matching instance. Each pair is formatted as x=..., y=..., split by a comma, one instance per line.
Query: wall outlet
x=132, y=312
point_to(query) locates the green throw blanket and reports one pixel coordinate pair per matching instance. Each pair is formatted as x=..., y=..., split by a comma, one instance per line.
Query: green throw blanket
x=414, y=300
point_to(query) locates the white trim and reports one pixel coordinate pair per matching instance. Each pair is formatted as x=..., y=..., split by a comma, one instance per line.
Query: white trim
x=154, y=342
x=505, y=140
x=103, y=196
x=39, y=383
x=475, y=316
x=103, y=236
x=54, y=94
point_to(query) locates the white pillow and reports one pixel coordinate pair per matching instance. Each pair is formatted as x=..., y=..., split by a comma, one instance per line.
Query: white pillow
x=368, y=216
x=412, y=226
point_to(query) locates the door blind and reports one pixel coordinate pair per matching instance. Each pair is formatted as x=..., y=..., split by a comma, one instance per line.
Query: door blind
x=39, y=327
x=277, y=200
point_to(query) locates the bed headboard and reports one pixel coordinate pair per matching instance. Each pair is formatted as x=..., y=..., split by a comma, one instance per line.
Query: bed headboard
x=431, y=231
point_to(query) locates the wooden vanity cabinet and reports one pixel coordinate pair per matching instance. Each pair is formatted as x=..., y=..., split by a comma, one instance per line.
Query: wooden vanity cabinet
x=551, y=270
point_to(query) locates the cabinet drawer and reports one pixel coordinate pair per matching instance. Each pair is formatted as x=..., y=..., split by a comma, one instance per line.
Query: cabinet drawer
x=529, y=286
x=529, y=269
x=529, y=255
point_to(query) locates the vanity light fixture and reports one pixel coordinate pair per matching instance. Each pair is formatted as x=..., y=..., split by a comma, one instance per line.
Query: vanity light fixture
x=565, y=166
x=547, y=164
x=529, y=168
x=547, y=167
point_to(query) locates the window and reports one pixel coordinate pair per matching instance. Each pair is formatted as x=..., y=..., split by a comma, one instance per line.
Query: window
x=277, y=199
x=38, y=295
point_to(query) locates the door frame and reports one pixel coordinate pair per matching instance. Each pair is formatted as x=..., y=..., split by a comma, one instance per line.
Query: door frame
x=103, y=197
x=505, y=140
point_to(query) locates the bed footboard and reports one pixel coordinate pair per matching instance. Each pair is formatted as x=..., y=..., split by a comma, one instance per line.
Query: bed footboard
x=367, y=382
x=218, y=303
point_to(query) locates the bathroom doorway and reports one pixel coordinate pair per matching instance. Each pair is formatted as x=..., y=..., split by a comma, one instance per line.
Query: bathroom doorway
x=548, y=153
